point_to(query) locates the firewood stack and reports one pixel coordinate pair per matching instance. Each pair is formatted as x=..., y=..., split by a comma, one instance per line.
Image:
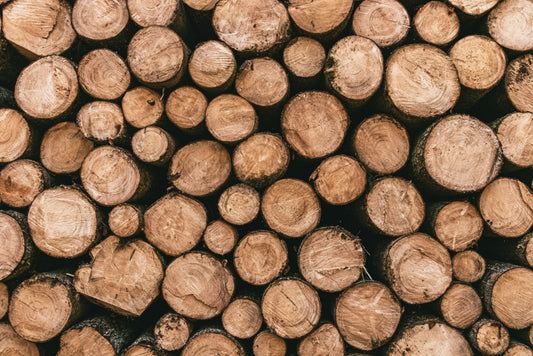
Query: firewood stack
x=266, y=177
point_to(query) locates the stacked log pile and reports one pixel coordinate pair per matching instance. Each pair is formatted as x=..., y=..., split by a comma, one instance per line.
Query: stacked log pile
x=266, y=177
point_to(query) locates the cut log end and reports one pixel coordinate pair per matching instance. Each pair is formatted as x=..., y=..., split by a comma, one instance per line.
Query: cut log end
x=142, y=107
x=518, y=349
x=311, y=18
x=21, y=181
x=437, y=23
x=101, y=121
x=186, y=107
x=468, y=266
x=517, y=142
x=458, y=225
x=242, y=318
x=474, y=7
x=489, y=337
x=125, y=220
x=519, y=82
x=512, y=29
x=239, y=204
x=14, y=245
x=13, y=344
x=220, y=237
x=230, y=118
x=212, y=342
x=325, y=340
x=171, y=332
x=304, y=57
x=14, y=135
x=212, y=66
x=269, y=344
x=84, y=340
x=153, y=145
x=100, y=21
x=460, y=306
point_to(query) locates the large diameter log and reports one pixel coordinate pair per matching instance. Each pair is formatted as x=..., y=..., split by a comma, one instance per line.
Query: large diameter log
x=15, y=135
x=142, y=107
x=43, y=306
x=509, y=23
x=101, y=21
x=101, y=121
x=518, y=82
x=239, y=204
x=21, y=181
x=12, y=344
x=212, y=66
x=304, y=59
x=18, y=251
x=220, y=237
x=213, y=342
x=126, y=220
x=489, y=337
x=518, y=251
x=123, y=276
x=460, y=306
x=242, y=318
x=468, y=266
x=171, y=332
x=168, y=13
x=186, y=107
x=325, y=340
x=267, y=343
x=153, y=145
x=436, y=23
x=367, y=315
x=513, y=131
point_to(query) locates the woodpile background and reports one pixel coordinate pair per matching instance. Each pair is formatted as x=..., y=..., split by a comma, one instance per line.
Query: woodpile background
x=264, y=177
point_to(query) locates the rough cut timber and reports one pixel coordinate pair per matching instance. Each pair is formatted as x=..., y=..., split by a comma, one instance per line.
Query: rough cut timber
x=172, y=332
x=212, y=342
x=220, y=237
x=21, y=181
x=13, y=344
x=325, y=340
x=212, y=66
x=169, y=13
x=101, y=121
x=267, y=343
x=126, y=220
x=519, y=82
x=153, y=145
x=436, y=23
x=460, y=306
x=142, y=107
x=489, y=337
x=304, y=59
x=103, y=21
x=514, y=133
x=468, y=266
x=186, y=107
x=509, y=23
x=239, y=204
x=242, y=318
x=18, y=253
x=15, y=135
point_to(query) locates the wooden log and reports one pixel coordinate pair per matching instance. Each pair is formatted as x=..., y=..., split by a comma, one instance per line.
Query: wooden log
x=197, y=286
x=64, y=147
x=489, y=337
x=393, y=207
x=43, y=306
x=123, y=276
x=381, y=143
x=325, y=340
x=267, y=343
x=212, y=342
x=436, y=23
x=15, y=135
x=230, y=118
x=145, y=345
x=260, y=257
x=304, y=59
x=386, y=22
x=509, y=23
x=239, y=204
x=21, y=181
x=468, y=266
x=474, y=7
x=514, y=135
x=291, y=308
x=101, y=121
x=359, y=311
x=142, y=107
x=505, y=205
x=201, y=5
x=64, y=222
x=518, y=251
x=212, y=66
x=163, y=70
x=167, y=13
x=103, y=74
x=220, y=237
x=38, y=29
x=102, y=22
x=175, y=223
x=518, y=82
x=153, y=145
x=242, y=318
x=126, y=220
x=460, y=306
x=200, y=168
x=314, y=123
x=518, y=349
x=18, y=251
x=4, y=300
x=457, y=154
x=291, y=207
x=47, y=88
x=172, y=332
x=261, y=159
x=186, y=107
x=13, y=344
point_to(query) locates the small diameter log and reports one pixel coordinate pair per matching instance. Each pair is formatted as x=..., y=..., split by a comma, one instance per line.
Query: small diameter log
x=386, y=22
x=126, y=220
x=354, y=69
x=103, y=74
x=519, y=251
x=15, y=135
x=339, y=180
x=261, y=159
x=145, y=345
x=153, y=145
x=263, y=82
x=239, y=204
x=304, y=59
x=460, y=306
x=507, y=294
x=242, y=318
x=417, y=268
x=168, y=13
x=381, y=144
x=331, y=258
x=421, y=82
x=64, y=147
x=314, y=123
x=163, y=70
x=291, y=308
x=186, y=107
x=251, y=26
x=436, y=23
x=64, y=222
x=510, y=23
x=489, y=337
x=111, y=176
x=393, y=207
x=101, y=121
x=175, y=223
x=518, y=82
x=291, y=207
x=468, y=266
x=4, y=300
x=230, y=118
x=12, y=344
x=18, y=251
x=142, y=107
x=212, y=66
x=457, y=154
x=123, y=276
x=213, y=342
x=260, y=257
x=38, y=29
x=47, y=88
x=200, y=168
x=220, y=237
x=43, y=306
x=514, y=134
x=172, y=332
x=269, y=344
x=198, y=286
x=102, y=21
x=518, y=349
x=21, y=181
x=367, y=315
x=325, y=340
x=506, y=206
x=474, y=7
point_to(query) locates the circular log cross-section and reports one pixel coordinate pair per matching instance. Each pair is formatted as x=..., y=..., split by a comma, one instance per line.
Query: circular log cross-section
x=361, y=308
x=198, y=286
x=86, y=340
x=304, y=59
x=381, y=144
x=394, y=207
x=157, y=56
x=325, y=340
x=212, y=343
x=251, y=26
x=200, y=168
x=314, y=124
x=101, y=121
x=489, y=337
x=14, y=135
x=331, y=259
x=291, y=207
x=13, y=344
x=17, y=249
x=142, y=107
x=417, y=267
x=239, y=204
x=354, y=69
x=267, y=343
x=421, y=81
x=64, y=147
x=100, y=21
x=153, y=145
x=175, y=223
x=436, y=23
x=186, y=108
x=38, y=29
x=519, y=82
x=21, y=181
x=103, y=74
x=460, y=306
x=386, y=22
x=169, y=13
x=320, y=19
x=171, y=332
x=220, y=237
x=212, y=66
x=125, y=220
x=515, y=133
x=47, y=88
x=510, y=23
x=291, y=308
x=518, y=349
x=242, y=318
x=468, y=266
